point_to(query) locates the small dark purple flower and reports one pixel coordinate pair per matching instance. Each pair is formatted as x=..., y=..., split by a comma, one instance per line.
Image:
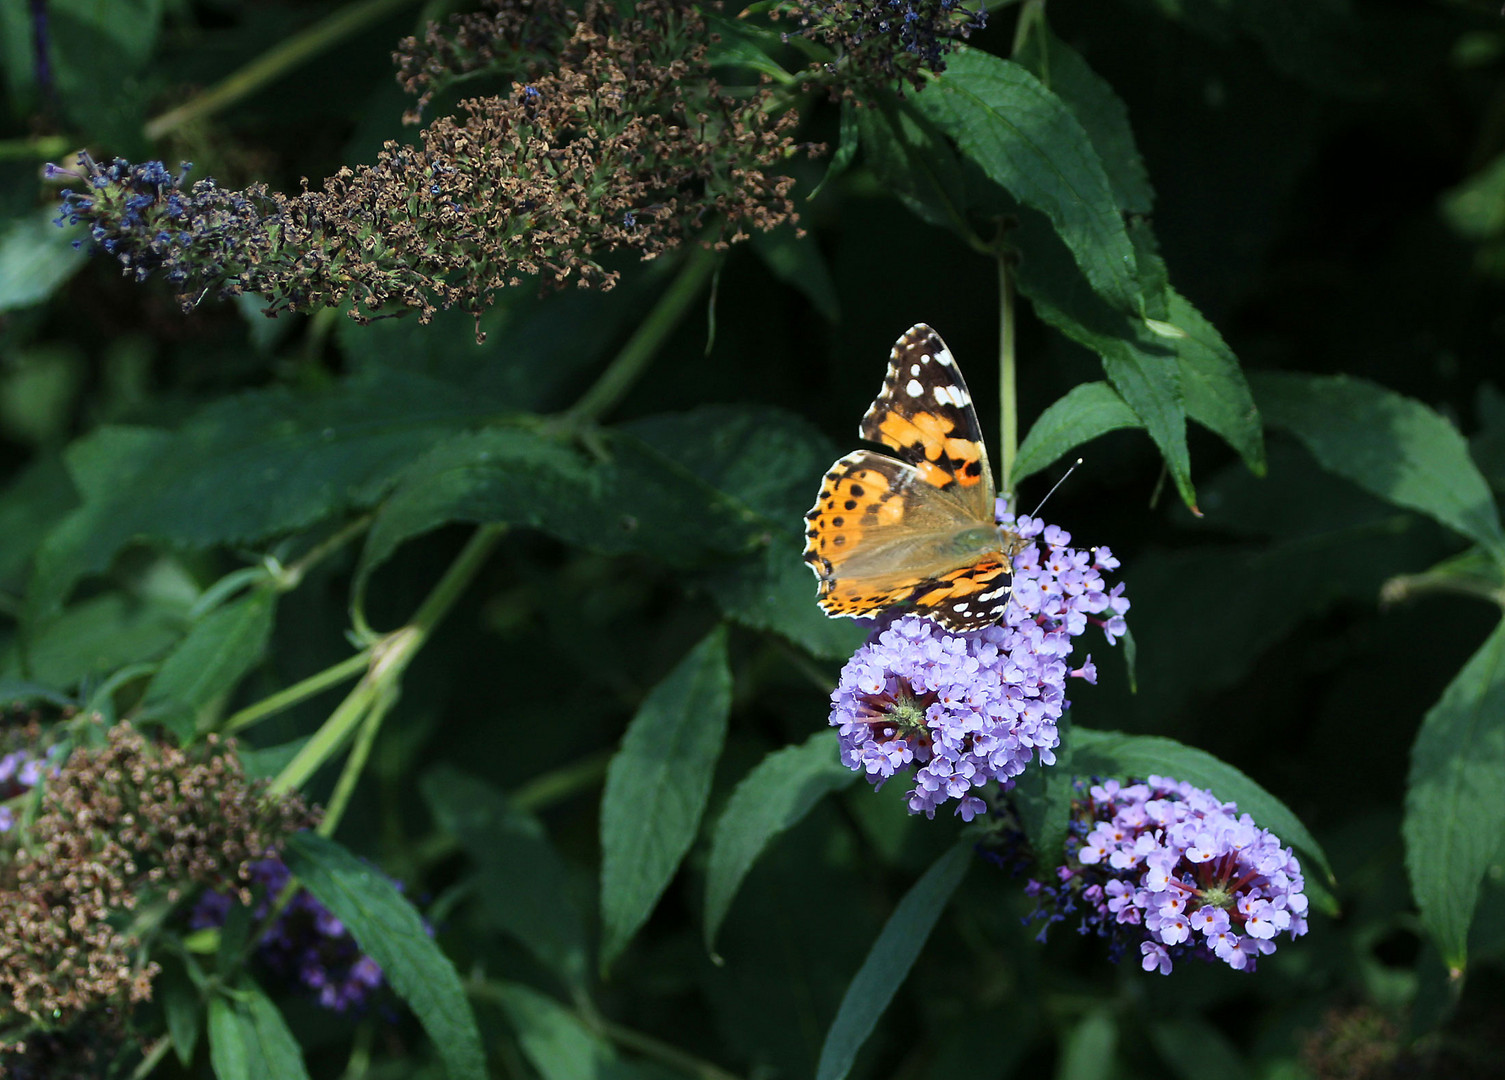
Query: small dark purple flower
x=1169, y=869
x=963, y=710
x=307, y=944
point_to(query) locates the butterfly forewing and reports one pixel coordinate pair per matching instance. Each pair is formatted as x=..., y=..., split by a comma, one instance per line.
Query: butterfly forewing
x=925, y=413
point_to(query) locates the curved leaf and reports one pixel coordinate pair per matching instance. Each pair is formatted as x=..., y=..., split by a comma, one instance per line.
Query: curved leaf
x=389, y=930
x=249, y=1040
x=246, y=468
x=656, y=788
x=1084, y=413
x=888, y=962
x=1454, y=823
x=1026, y=139
x=1216, y=394
x=1100, y=111
x=521, y=874
x=1116, y=754
x=218, y=651
x=1390, y=445
x=776, y=794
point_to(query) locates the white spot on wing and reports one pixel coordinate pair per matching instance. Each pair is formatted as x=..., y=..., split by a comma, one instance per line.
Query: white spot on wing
x=943, y=357
x=951, y=395
x=914, y=369
x=914, y=389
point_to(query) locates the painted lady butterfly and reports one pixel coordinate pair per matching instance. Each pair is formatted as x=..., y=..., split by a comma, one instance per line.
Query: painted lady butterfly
x=919, y=528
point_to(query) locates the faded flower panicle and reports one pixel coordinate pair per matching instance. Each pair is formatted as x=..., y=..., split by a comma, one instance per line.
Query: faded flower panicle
x=1169, y=868
x=623, y=143
x=963, y=710
x=122, y=822
x=883, y=42
x=306, y=944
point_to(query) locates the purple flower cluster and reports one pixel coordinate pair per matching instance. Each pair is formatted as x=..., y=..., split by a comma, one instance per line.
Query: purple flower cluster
x=1169, y=866
x=151, y=221
x=20, y=771
x=305, y=944
x=967, y=709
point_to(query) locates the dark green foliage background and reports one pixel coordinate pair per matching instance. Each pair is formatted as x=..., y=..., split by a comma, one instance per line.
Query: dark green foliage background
x=1323, y=195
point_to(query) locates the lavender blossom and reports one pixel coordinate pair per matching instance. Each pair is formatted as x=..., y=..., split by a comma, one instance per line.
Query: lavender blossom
x=306, y=944
x=963, y=710
x=1169, y=868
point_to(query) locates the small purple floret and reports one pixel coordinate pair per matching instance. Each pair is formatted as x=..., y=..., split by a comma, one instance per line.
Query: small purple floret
x=306, y=944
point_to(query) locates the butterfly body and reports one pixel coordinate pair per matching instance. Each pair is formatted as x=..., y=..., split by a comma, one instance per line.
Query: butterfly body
x=917, y=528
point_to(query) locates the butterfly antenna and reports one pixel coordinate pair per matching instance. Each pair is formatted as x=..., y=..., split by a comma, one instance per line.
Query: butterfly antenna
x=1057, y=484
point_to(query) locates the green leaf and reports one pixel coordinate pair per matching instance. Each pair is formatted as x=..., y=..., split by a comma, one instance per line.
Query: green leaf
x=36, y=259
x=502, y=475
x=1141, y=365
x=183, y=1008
x=1089, y=1050
x=1026, y=139
x=1213, y=386
x=656, y=788
x=716, y=492
x=1476, y=208
x=774, y=590
x=218, y=651
x=1043, y=797
x=776, y=794
x=553, y=1039
x=796, y=261
x=34, y=501
x=267, y=762
x=1454, y=824
x=912, y=159
x=1098, y=109
x=1389, y=445
x=523, y=879
x=888, y=962
x=246, y=468
x=389, y=930
x=1084, y=413
x=846, y=147
x=1193, y=1040
x=98, y=636
x=1115, y=754
x=249, y=1040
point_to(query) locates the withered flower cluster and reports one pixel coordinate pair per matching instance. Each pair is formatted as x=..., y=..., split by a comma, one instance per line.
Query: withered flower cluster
x=883, y=42
x=613, y=136
x=122, y=825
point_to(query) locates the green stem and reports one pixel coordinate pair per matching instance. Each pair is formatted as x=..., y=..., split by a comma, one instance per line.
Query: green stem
x=389, y=657
x=560, y=784
x=1405, y=587
x=351, y=773
x=291, y=576
x=1031, y=14
x=496, y=993
x=547, y=790
x=299, y=691
x=620, y=375
x=274, y=63
x=38, y=148
x=153, y=1058
x=669, y=1055
x=1008, y=394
